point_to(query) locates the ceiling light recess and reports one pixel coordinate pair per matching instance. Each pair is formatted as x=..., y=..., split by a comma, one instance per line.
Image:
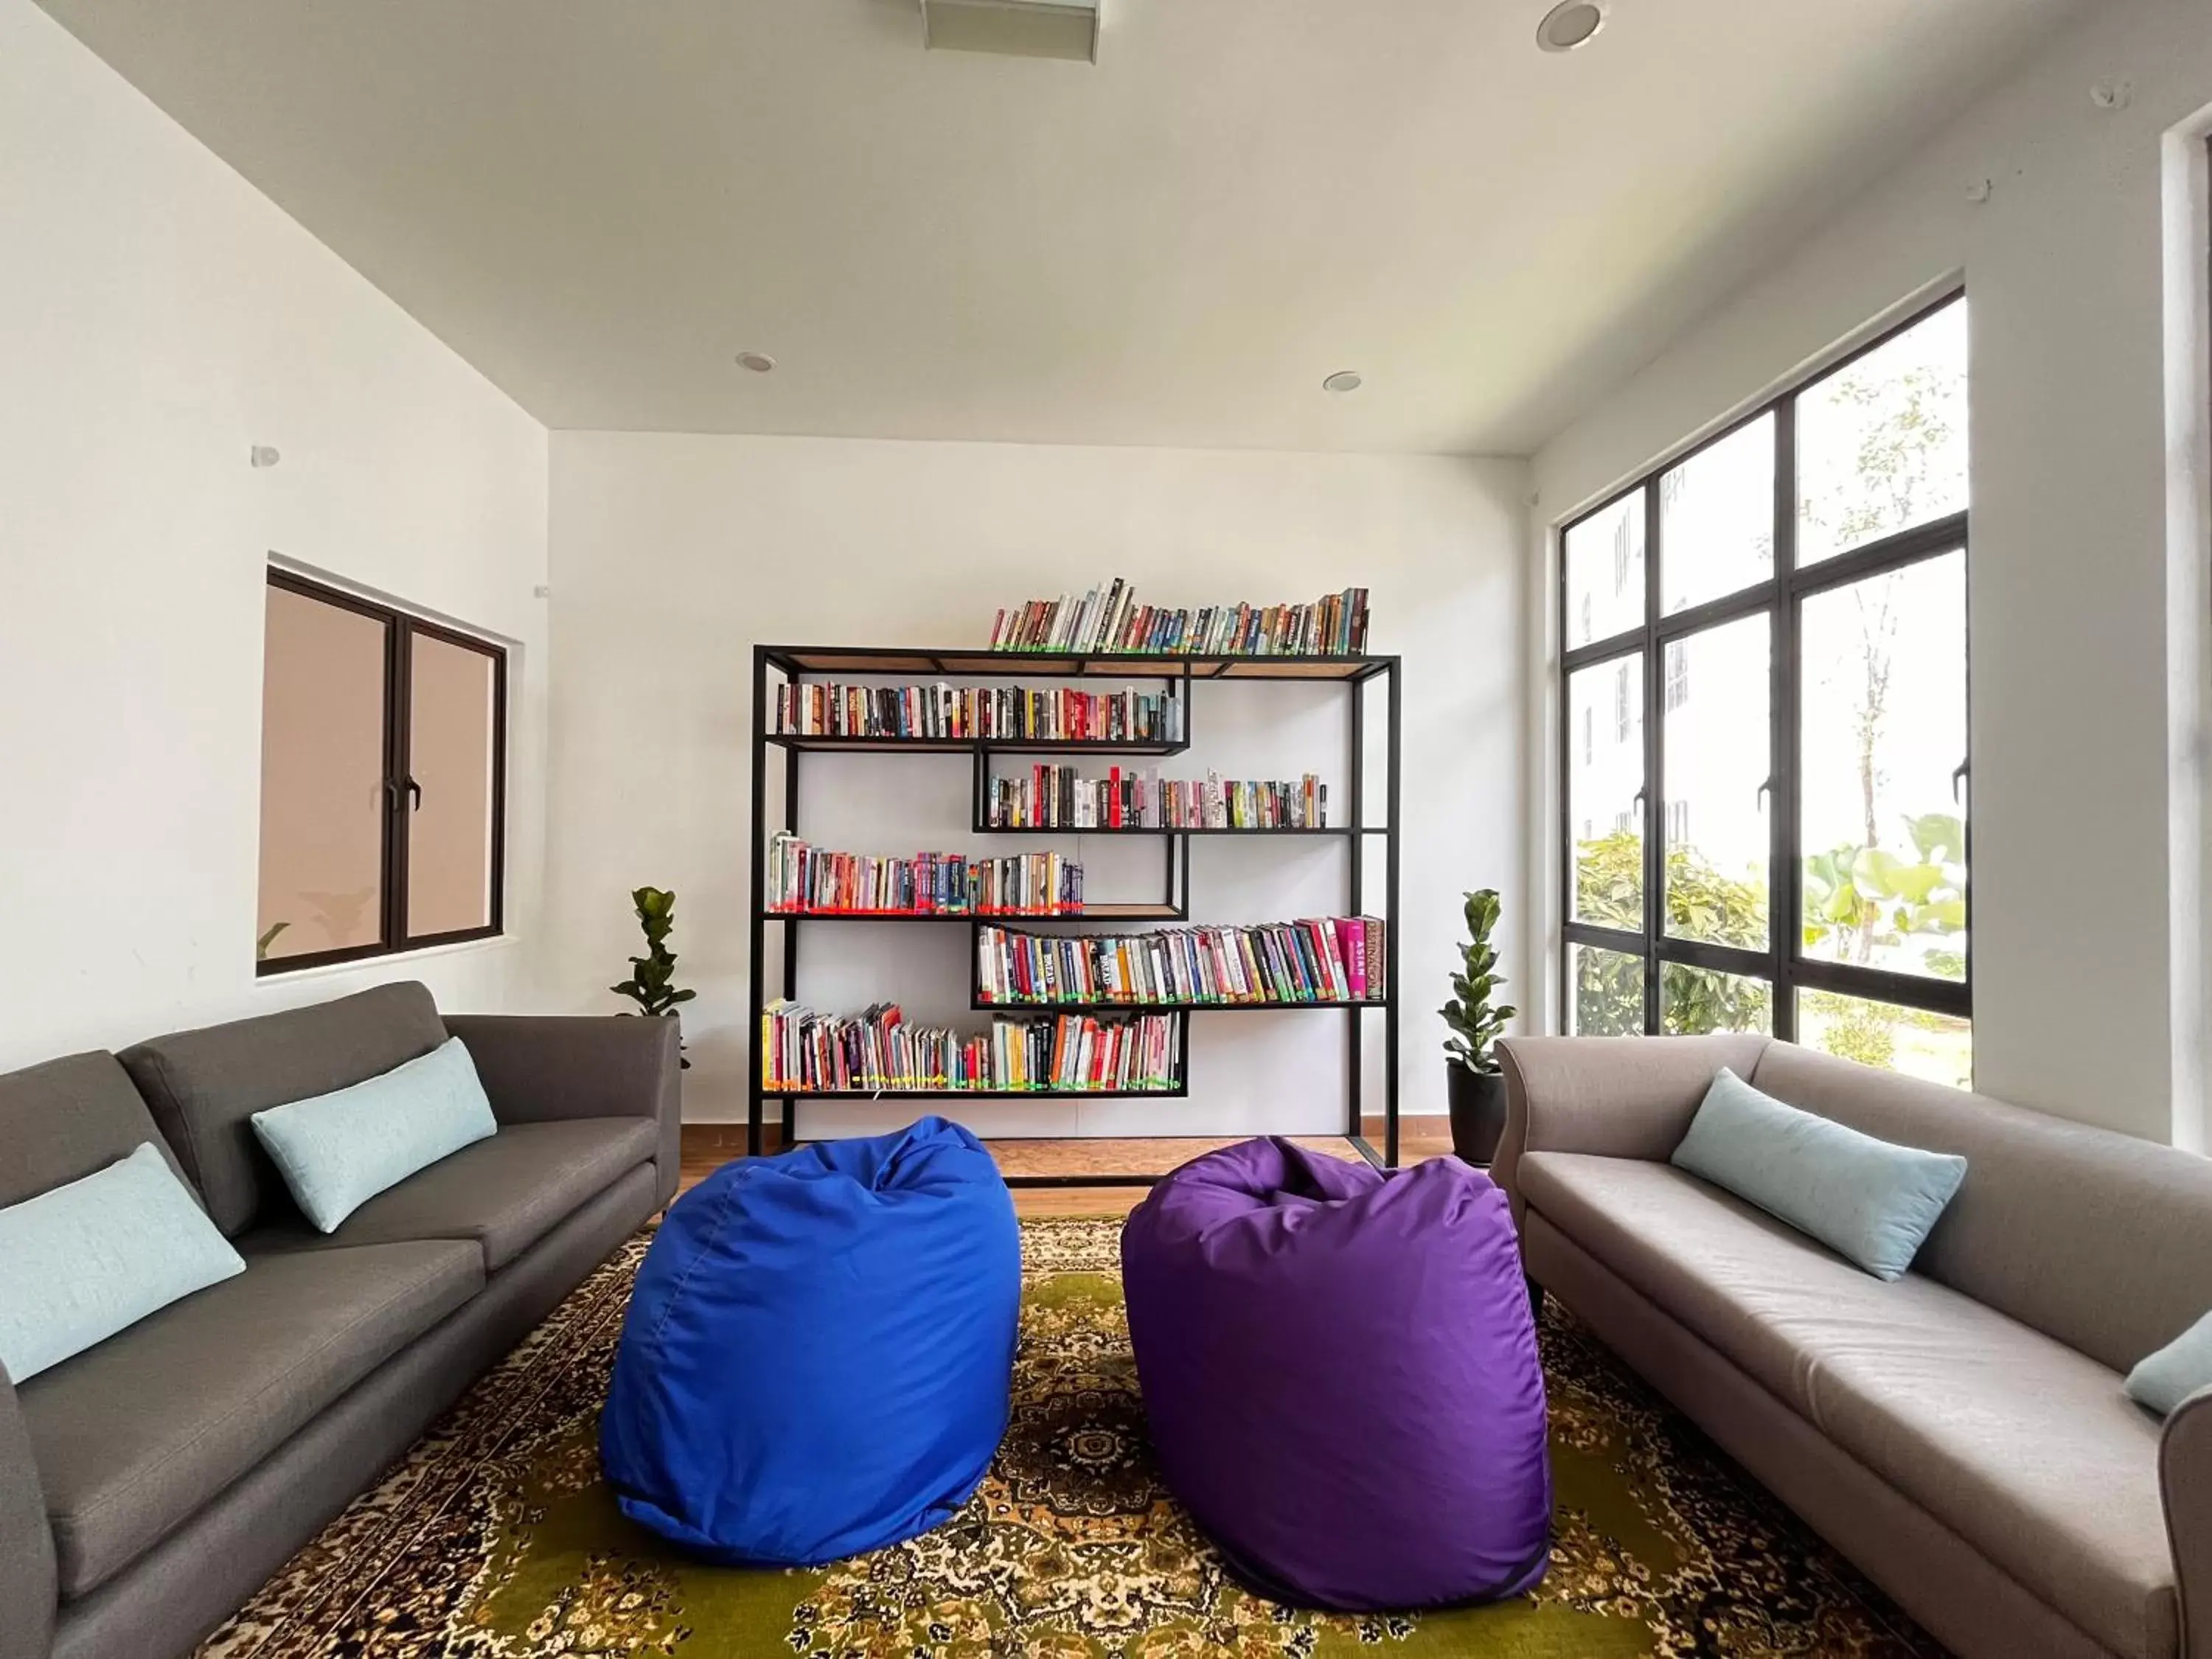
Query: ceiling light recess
x=759, y=361
x=1014, y=28
x=1569, y=24
x=1344, y=380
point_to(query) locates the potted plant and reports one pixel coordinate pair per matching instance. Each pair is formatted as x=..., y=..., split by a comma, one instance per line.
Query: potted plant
x=648, y=984
x=1477, y=1088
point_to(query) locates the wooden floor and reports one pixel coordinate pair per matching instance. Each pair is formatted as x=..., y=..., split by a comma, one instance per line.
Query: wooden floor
x=707, y=1147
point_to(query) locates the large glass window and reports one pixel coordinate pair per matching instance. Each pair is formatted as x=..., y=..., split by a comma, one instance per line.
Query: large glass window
x=382, y=750
x=1802, y=650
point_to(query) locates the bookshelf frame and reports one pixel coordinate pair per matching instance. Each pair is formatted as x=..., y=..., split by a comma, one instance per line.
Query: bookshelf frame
x=1177, y=674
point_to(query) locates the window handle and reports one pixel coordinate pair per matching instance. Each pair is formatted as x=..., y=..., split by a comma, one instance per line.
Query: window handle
x=1761, y=795
x=1643, y=799
x=415, y=789
x=1959, y=775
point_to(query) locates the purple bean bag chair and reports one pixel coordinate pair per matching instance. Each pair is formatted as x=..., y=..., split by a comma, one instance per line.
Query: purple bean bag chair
x=1340, y=1372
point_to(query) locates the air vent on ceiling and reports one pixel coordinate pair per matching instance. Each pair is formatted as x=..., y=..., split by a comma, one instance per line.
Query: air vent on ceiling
x=1019, y=29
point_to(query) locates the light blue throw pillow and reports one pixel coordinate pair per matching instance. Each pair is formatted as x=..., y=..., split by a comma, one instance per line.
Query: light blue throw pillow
x=2175, y=1371
x=338, y=1150
x=1865, y=1199
x=86, y=1260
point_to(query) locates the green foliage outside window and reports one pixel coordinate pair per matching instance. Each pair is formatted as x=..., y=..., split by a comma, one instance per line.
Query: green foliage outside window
x=1702, y=903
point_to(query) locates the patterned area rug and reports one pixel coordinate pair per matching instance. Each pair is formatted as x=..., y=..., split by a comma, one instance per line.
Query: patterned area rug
x=496, y=1539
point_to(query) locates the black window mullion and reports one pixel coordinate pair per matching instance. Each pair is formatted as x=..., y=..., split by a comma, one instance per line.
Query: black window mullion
x=1655, y=761
x=1925, y=541
x=1783, y=865
x=398, y=744
x=1782, y=965
x=1851, y=979
x=1719, y=958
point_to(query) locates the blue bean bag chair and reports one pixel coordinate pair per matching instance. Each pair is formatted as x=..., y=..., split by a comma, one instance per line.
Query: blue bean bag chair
x=818, y=1356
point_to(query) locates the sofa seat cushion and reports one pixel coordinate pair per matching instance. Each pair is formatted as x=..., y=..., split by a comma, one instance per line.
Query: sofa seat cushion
x=134, y=1435
x=504, y=1194
x=2029, y=1451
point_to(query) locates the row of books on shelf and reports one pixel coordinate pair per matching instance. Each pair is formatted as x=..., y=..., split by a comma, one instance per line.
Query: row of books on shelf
x=1318, y=960
x=878, y=1051
x=1108, y=620
x=802, y=878
x=1006, y=713
x=1056, y=798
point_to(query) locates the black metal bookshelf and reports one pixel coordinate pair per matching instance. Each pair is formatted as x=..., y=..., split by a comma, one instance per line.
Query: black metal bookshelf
x=1178, y=676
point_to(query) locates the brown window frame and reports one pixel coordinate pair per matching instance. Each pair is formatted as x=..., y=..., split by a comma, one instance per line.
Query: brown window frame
x=401, y=791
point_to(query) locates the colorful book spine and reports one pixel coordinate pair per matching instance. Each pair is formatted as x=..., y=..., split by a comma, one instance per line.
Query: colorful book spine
x=877, y=1051
x=1110, y=621
x=1059, y=797
x=1286, y=963
x=942, y=713
x=801, y=878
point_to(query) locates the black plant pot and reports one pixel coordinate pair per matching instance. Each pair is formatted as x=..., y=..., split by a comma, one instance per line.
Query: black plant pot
x=1478, y=1113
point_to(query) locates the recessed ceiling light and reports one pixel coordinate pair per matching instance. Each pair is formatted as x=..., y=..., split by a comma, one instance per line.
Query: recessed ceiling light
x=1343, y=381
x=1569, y=24
x=759, y=361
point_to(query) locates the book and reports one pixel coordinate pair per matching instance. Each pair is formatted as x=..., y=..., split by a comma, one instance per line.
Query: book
x=877, y=1051
x=1287, y=962
x=1059, y=798
x=800, y=879
x=977, y=713
x=1109, y=620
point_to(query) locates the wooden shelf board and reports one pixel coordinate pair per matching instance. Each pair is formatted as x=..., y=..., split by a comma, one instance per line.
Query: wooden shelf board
x=812, y=743
x=1089, y=913
x=1065, y=665
x=1165, y=830
x=980, y=1006
x=975, y=1094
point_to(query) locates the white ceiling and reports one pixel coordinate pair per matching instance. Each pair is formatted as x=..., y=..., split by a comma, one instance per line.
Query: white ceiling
x=598, y=202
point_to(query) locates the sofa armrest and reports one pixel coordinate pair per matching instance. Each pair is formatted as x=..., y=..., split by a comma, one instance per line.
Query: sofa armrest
x=1617, y=1096
x=27, y=1591
x=2184, y=1477
x=539, y=1067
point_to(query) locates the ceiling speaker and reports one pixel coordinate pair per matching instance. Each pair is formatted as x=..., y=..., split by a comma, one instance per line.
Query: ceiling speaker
x=1016, y=28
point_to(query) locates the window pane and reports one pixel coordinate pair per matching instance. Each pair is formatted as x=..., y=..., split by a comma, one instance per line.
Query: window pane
x=1882, y=444
x=1605, y=572
x=1718, y=752
x=1716, y=519
x=1936, y=1047
x=1608, y=991
x=1605, y=771
x=1884, y=730
x=1695, y=1000
x=322, y=778
x=449, y=847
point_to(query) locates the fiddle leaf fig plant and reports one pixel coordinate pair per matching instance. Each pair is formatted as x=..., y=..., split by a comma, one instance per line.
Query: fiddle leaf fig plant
x=1476, y=1023
x=650, y=984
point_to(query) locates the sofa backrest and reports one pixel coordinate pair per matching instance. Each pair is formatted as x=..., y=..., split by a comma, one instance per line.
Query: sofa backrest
x=2096, y=1238
x=205, y=1085
x=61, y=1120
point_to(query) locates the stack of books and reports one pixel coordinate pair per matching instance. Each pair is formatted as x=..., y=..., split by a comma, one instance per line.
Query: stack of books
x=1006, y=713
x=1329, y=959
x=1056, y=798
x=878, y=1051
x=1107, y=621
x=806, y=879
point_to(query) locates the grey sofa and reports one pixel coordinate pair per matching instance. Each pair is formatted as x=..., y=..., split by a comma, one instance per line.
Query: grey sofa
x=1962, y=1435
x=149, y=1485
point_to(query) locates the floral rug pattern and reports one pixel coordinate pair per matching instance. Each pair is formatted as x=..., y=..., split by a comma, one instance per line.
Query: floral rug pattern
x=495, y=1538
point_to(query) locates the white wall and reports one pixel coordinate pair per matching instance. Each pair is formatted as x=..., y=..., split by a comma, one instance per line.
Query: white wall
x=2083, y=928
x=673, y=555
x=158, y=317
